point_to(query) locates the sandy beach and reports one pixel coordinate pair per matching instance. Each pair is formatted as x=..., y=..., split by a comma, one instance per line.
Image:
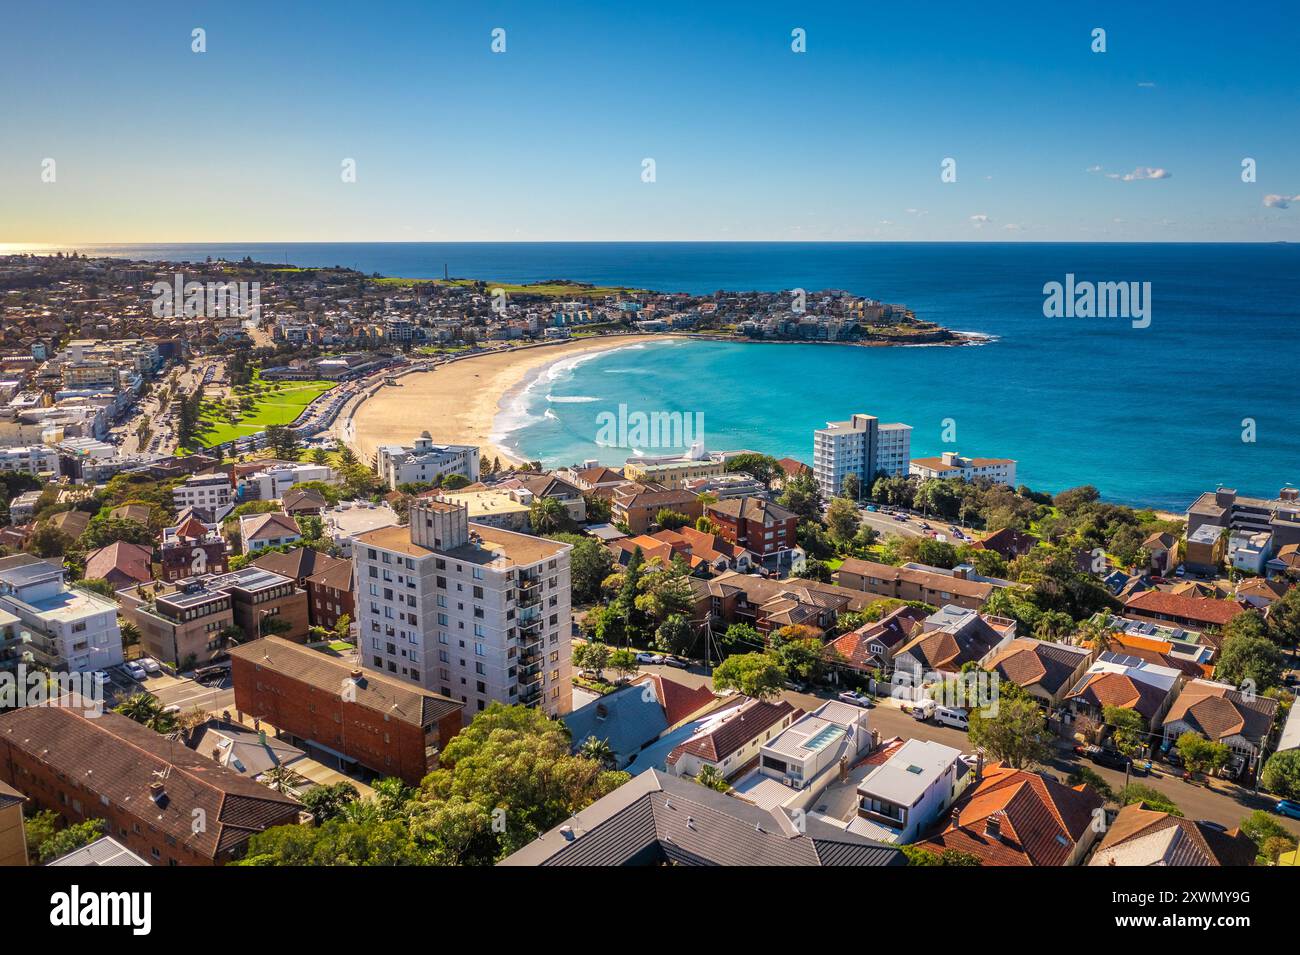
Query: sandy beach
x=458, y=401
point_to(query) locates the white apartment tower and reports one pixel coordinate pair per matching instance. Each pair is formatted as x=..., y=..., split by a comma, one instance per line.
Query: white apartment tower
x=861, y=446
x=473, y=612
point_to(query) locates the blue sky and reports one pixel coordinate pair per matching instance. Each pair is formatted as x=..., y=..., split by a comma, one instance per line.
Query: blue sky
x=155, y=143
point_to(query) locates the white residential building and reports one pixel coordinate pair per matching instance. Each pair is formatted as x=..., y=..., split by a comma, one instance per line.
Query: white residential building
x=814, y=743
x=211, y=492
x=424, y=462
x=34, y=459
x=861, y=446
x=272, y=483
x=905, y=795
x=473, y=612
x=62, y=627
x=950, y=464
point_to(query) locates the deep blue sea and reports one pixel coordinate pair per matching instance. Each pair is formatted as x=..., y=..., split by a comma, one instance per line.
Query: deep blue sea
x=1150, y=416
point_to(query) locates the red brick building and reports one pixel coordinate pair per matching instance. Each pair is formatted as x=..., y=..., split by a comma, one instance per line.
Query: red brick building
x=161, y=800
x=327, y=580
x=759, y=526
x=320, y=702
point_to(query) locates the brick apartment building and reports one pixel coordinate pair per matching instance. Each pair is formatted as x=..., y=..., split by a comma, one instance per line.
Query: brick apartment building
x=910, y=583
x=341, y=714
x=327, y=580
x=636, y=505
x=759, y=526
x=161, y=800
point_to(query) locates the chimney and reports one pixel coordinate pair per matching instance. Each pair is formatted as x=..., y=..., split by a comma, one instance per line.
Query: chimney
x=993, y=826
x=961, y=572
x=216, y=754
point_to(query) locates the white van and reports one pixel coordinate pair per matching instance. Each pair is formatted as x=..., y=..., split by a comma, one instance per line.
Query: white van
x=957, y=719
x=922, y=709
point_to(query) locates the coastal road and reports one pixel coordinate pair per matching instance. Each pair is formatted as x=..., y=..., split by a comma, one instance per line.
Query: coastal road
x=885, y=524
x=1226, y=804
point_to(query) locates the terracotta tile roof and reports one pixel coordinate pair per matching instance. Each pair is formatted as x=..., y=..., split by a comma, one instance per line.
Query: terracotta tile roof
x=271, y=524
x=1200, y=609
x=1142, y=836
x=396, y=699
x=1218, y=712
x=1028, y=662
x=119, y=759
x=890, y=631
x=1038, y=820
x=1116, y=689
x=680, y=702
x=130, y=560
x=750, y=720
x=928, y=579
x=299, y=563
x=1154, y=651
x=1007, y=542
x=751, y=509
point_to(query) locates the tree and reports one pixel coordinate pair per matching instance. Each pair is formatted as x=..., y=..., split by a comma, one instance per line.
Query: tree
x=1085, y=776
x=1284, y=619
x=675, y=635
x=754, y=674
x=842, y=519
x=712, y=777
x=1244, y=657
x=589, y=563
x=147, y=711
x=799, y=651
x=624, y=663
x=851, y=487
x=667, y=596
x=282, y=441
x=802, y=495
x=48, y=541
x=547, y=515
x=671, y=520
x=595, y=748
x=948, y=857
x=1270, y=836
x=817, y=570
x=1281, y=774
x=592, y=656
x=1201, y=755
x=1128, y=729
x=1016, y=733
x=740, y=635
x=71, y=838
x=1149, y=797
x=102, y=531
x=761, y=467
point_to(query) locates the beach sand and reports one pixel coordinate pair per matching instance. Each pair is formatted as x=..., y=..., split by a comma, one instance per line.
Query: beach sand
x=457, y=402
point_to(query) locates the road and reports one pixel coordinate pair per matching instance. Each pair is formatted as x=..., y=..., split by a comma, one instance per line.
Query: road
x=1227, y=805
x=885, y=524
x=187, y=694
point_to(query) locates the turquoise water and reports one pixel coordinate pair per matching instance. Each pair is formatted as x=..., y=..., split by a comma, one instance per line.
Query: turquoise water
x=1151, y=416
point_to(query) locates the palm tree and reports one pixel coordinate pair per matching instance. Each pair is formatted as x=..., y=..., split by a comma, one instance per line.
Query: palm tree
x=282, y=779
x=599, y=750
x=147, y=711
x=711, y=777
x=548, y=515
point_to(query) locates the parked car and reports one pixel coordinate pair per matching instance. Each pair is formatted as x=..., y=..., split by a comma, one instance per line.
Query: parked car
x=872, y=508
x=1110, y=758
x=957, y=719
x=655, y=658
x=925, y=526
x=1288, y=808
x=1211, y=824
x=100, y=677
x=856, y=699
x=135, y=671
x=923, y=709
x=674, y=662
x=150, y=665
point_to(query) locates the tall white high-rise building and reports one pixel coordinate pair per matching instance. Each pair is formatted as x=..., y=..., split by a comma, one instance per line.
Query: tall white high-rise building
x=469, y=611
x=861, y=446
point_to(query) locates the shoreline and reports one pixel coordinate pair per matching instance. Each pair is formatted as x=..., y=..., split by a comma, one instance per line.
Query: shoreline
x=459, y=401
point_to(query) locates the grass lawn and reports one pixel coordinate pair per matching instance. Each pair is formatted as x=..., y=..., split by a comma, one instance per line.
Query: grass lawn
x=545, y=289
x=272, y=407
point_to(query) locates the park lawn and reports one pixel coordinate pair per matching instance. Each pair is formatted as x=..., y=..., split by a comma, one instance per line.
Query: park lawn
x=545, y=289
x=271, y=408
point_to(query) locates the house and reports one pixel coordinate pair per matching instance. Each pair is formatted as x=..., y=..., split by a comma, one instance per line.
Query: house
x=592, y=477
x=1259, y=592
x=13, y=837
x=273, y=529
x=1140, y=836
x=1046, y=671
x=1162, y=548
x=149, y=788
x=1206, y=548
x=1222, y=714
x=907, y=583
x=658, y=819
x=73, y=523
x=635, y=715
x=1129, y=683
x=1193, y=660
x=872, y=645
x=1013, y=817
x=769, y=605
x=327, y=580
x=948, y=640
x=250, y=753
x=1285, y=563
x=730, y=738
x=139, y=513
x=342, y=714
x=950, y=464
x=1009, y=543
x=551, y=486
x=756, y=524
x=192, y=548
x=1196, y=613
x=905, y=794
x=303, y=502
x=121, y=564
x=813, y=747
x=705, y=553
x=636, y=505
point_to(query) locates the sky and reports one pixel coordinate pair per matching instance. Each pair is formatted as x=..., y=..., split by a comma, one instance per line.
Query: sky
x=750, y=140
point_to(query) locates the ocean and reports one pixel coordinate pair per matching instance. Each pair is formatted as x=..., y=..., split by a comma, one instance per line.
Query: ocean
x=1151, y=416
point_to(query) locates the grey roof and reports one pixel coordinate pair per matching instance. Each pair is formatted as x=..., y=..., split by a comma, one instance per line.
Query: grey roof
x=627, y=719
x=656, y=817
x=103, y=851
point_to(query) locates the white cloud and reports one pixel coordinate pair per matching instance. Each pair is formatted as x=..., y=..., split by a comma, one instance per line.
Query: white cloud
x=980, y=220
x=1012, y=227
x=1146, y=172
x=1274, y=201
